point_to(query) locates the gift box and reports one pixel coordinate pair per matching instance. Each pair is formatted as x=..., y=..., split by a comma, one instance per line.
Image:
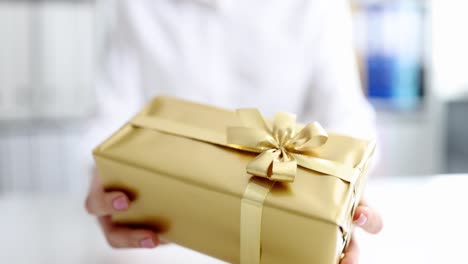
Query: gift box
x=234, y=185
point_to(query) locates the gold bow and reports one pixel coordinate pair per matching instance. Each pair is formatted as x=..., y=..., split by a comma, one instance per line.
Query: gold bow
x=281, y=147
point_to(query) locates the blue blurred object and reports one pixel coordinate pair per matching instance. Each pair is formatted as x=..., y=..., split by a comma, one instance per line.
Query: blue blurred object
x=380, y=76
x=394, y=52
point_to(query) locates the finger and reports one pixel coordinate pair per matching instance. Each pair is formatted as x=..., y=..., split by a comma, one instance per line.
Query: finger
x=352, y=253
x=102, y=203
x=368, y=219
x=363, y=202
x=96, y=184
x=124, y=237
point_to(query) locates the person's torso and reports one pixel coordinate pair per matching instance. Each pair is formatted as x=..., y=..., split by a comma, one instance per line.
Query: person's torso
x=228, y=53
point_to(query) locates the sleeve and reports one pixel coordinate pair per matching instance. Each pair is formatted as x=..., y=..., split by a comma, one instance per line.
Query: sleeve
x=118, y=89
x=335, y=97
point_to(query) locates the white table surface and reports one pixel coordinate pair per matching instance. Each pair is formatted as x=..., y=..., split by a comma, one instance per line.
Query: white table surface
x=425, y=222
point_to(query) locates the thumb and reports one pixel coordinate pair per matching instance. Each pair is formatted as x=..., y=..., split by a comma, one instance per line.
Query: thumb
x=368, y=219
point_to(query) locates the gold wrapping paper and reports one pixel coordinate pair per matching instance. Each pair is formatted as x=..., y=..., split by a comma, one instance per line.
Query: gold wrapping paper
x=191, y=189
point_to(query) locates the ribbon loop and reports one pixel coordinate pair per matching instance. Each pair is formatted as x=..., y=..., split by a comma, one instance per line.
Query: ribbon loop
x=252, y=118
x=283, y=171
x=283, y=127
x=260, y=165
x=282, y=148
x=309, y=138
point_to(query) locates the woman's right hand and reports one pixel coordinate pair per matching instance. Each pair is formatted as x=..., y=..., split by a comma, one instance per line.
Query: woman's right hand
x=103, y=204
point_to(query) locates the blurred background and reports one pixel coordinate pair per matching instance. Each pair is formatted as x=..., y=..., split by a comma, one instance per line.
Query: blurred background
x=412, y=55
x=413, y=58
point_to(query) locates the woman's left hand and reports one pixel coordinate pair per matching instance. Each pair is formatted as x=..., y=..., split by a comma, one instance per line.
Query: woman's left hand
x=367, y=219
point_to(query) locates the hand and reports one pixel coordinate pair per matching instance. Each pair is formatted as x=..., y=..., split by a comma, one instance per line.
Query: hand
x=367, y=219
x=103, y=204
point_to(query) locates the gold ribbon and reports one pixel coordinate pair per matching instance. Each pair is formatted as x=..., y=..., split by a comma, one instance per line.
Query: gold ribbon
x=251, y=219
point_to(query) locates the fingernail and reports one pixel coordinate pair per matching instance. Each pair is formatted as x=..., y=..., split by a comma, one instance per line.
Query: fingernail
x=361, y=220
x=147, y=243
x=120, y=203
